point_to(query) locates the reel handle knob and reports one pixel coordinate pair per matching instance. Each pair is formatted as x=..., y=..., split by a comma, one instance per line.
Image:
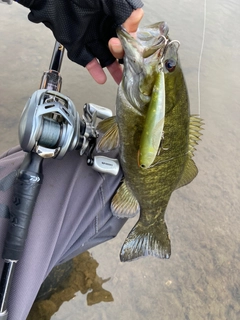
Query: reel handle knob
x=106, y=165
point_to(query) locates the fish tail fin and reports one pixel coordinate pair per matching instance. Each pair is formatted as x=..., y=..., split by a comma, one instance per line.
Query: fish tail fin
x=150, y=239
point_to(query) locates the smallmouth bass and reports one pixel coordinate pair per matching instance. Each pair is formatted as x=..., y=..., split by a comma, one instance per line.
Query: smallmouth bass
x=146, y=189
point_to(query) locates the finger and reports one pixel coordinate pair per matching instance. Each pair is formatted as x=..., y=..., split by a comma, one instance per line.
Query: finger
x=96, y=71
x=131, y=24
x=116, y=48
x=115, y=69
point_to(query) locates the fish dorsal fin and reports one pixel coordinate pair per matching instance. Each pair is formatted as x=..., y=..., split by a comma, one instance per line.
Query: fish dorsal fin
x=110, y=139
x=189, y=173
x=195, y=126
x=124, y=204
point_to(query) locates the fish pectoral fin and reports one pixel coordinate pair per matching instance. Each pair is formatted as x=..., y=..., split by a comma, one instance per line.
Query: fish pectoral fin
x=189, y=173
x=124, y=204
x=147, y=240
x=110, y=138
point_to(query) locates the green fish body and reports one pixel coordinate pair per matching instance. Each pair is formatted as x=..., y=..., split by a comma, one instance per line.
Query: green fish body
x=148, y=190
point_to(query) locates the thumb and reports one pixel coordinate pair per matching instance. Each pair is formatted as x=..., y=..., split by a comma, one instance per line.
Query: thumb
x=131, y=24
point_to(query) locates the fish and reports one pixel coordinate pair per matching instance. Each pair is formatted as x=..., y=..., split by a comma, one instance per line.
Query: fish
x=146, y=188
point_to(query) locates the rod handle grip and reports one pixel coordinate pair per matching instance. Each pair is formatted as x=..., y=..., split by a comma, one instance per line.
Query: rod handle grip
x=26, y=188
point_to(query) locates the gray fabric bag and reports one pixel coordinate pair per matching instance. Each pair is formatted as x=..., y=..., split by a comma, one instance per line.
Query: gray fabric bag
x=72, y=214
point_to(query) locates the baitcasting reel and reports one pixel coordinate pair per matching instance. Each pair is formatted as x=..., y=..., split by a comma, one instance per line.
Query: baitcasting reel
x=50, y=126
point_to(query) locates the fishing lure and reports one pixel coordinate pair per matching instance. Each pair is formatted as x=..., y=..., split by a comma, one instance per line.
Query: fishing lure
x=154, y=123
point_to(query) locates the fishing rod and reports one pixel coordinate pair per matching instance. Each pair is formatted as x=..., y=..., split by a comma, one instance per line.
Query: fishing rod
x=49, y=127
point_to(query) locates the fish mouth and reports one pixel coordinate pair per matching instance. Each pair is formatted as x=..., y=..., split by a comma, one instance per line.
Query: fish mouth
x=129, y=43
x=141, y=52
x=145, y=56
x=148, y=40
x=123, y=34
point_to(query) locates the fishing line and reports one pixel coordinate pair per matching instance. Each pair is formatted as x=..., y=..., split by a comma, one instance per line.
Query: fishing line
x=201, y=53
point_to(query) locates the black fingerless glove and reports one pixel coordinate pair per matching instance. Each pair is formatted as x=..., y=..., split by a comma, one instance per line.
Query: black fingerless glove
x=83, y=27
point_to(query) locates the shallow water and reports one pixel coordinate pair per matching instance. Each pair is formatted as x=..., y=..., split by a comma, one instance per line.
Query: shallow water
x=201, y=279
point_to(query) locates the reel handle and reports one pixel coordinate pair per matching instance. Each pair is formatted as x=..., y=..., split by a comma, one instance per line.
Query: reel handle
x=105, y=165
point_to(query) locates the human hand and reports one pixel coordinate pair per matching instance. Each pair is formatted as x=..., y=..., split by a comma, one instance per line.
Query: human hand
x=115, y=69
x=85, y=27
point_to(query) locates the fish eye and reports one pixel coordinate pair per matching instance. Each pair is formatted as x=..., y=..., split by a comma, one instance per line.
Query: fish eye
x=170, y=65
